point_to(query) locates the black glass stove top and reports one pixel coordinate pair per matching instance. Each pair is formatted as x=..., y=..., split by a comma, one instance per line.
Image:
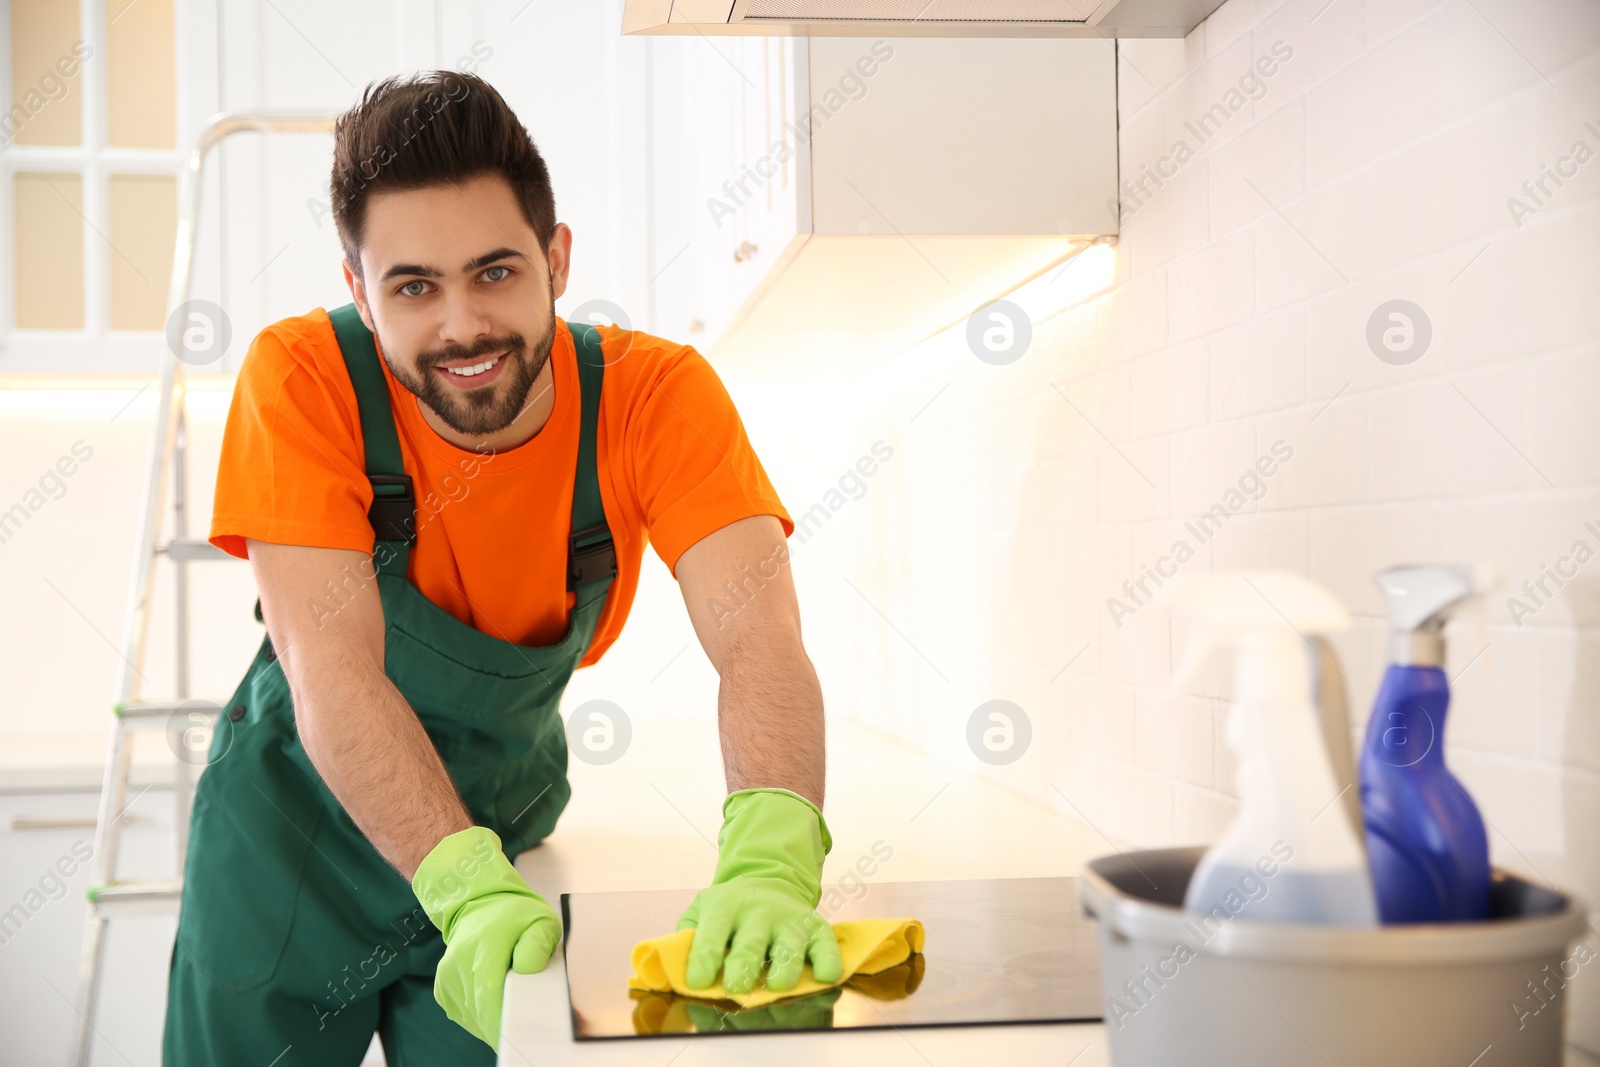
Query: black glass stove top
x=1011, y=950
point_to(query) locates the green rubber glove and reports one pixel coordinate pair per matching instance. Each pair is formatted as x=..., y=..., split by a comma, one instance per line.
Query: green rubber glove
x=491, y=922
x=763, y=897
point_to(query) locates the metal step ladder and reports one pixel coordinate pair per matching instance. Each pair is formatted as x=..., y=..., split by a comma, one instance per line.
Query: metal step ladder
x=109, y=896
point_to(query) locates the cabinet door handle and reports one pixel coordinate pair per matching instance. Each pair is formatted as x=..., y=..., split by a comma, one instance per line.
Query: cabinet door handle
x=744, y=251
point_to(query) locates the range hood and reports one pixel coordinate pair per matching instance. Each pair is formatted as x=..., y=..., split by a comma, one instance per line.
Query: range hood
x=917, y=18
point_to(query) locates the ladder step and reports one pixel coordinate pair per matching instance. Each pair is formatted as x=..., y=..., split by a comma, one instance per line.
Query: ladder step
x=156, y=896
x=154, y=715
x=182, y=550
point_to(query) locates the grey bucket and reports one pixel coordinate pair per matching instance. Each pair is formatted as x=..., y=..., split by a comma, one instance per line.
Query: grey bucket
x=1254, y=994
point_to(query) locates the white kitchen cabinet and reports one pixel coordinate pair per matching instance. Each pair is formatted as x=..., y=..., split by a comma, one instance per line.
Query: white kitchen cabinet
x=717, y=225
x=46, y=840
x=820, y=204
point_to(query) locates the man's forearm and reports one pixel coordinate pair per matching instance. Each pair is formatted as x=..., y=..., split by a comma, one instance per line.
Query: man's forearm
x=369, y=747
x=769, y=715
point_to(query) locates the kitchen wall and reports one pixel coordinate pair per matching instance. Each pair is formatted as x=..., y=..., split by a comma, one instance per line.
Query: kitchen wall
x=1377, y=153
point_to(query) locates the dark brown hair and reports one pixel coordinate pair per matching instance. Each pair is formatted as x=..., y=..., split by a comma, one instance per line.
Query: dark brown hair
x=432, y=128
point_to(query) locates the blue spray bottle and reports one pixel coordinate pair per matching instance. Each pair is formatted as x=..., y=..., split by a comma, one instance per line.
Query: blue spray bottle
x=1425, y=839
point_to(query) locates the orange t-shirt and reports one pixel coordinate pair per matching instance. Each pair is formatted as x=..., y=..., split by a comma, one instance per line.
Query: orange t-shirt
x=674, y=465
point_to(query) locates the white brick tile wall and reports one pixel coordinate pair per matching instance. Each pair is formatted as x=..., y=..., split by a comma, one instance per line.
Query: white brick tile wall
x=1277, y=541
x=1535, y=538
x=1387, y=17
x=1207, y=462
x=1483, y=56
x=1136, y=314
x=1152, y=541
x=1200, y=814
x=1564, y=32
x=1312, y=252
x=1386, y=98
x=1143, y=141
x=1259, y=366
x=1565, y=430
x=1319, y=219
x=1323, y=38
x=1547, y=272
x=1100, y=716
x=1375, y=163
x=1100, y=408
x=1569, y=686
x=1213, y=102
x=1137, y=798
x=1362, y=653
x=1330, y=463
x=1350, y=545
x=1099, y=558
x=1132, y=478
x=1563, y=106
x=1492, y=706
x=1138, y=652
x=1272, y=155
x=1176, y=210
x=1076, y=788
x=1448, y=437
x=1445, y=189
x=1146, y=67
x=1525, y=814
x=1205, y=289
x=1176, y=735
x=1231, y=21
x=1170, y=390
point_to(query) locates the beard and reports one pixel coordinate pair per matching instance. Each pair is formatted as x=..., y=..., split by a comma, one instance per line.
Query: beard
x=488, y=409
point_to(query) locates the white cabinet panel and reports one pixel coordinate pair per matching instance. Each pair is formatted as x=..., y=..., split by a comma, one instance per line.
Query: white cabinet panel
x=951, y=136
x=723, y=171
x=46, y=841
x=840, y=198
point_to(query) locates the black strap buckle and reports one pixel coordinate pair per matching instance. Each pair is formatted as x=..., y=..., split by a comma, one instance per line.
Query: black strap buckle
x=588, y=562
x=393, y=515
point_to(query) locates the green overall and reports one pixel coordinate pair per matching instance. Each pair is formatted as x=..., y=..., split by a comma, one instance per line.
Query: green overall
x=296, y=939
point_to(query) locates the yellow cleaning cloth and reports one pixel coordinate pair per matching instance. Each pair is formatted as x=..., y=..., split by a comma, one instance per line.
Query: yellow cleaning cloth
x=866, y=946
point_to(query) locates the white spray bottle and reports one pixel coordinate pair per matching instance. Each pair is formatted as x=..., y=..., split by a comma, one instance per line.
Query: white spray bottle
x=1292, y=854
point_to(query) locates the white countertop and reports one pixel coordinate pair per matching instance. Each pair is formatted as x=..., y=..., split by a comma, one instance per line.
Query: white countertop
x=649, y=820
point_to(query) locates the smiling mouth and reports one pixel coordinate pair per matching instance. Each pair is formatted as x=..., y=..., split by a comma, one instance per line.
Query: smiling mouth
x=473, y=370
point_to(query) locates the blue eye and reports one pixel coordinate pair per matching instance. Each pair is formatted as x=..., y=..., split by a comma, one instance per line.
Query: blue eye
x=407, y=285
x=506, y=269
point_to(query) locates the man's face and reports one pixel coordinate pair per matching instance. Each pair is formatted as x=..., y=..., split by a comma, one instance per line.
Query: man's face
x=457, y=287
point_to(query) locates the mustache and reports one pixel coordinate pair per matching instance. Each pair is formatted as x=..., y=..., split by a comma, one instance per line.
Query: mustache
x=512, y=344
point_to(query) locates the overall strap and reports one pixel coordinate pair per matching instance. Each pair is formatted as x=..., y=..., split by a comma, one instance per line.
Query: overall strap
x=393, y=513
x=591, y=555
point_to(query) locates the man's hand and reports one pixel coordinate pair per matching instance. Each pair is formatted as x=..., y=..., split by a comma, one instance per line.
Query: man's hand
x=763, y=897
x=491, y=922
x=762, y=919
